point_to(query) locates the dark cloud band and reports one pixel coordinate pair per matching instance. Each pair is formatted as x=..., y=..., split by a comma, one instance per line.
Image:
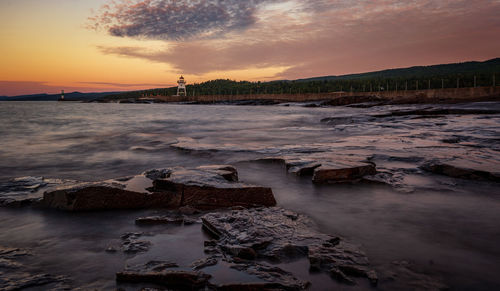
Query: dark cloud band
x=176, y=20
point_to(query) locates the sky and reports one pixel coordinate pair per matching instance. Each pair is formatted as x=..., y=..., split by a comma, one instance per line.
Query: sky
x=120, y=45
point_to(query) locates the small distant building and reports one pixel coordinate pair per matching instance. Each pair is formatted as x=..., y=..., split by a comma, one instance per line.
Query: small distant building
x=181, y=87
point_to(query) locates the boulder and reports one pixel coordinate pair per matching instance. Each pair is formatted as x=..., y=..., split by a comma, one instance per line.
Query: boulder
x=278, y=235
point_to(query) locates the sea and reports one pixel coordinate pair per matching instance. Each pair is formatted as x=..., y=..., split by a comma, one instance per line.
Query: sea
x=446, y=228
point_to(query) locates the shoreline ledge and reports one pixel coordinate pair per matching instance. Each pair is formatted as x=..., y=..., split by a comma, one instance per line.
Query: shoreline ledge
x=204, y=188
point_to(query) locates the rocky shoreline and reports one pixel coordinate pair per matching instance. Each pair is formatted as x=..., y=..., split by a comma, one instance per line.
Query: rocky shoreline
x=249, y=234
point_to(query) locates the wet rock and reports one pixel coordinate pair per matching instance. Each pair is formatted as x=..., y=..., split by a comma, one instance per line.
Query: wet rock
x=342, y=171
x=464, y=170
x=131, y=243
x=157, y=174
x=265, y=286
x=202, y=263
x=205, y=187
x=327, y=168
x=404, y=275
x=157, y=272
x=226, y=171
x=16, y=275
x=188, y=210
x=21, y=281
x=211, y=188
x=273, y=275
x=301, y=167
x=437, y=112
x=282, y=236
x=104, y=196
x=26, y=191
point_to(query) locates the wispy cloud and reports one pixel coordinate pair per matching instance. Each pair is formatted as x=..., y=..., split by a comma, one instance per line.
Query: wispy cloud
x=125, y=85
x=308, y=37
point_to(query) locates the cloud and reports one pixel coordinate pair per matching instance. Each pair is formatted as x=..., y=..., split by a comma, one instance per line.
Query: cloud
x=175, y=19
x=325, y=37
x=126, y=84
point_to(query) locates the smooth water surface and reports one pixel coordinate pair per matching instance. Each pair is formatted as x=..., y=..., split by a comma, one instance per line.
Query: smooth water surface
x=447, y=227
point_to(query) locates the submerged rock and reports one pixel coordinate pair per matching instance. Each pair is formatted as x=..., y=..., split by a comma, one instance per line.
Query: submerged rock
x=281, y=235
x=464, y=170
x=131, y=243
x=16, y=275
x=184, y=280
x=437, y=112
x=205, y=188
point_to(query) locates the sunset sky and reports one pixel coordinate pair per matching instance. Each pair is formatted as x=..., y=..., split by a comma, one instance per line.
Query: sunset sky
x=102, y=45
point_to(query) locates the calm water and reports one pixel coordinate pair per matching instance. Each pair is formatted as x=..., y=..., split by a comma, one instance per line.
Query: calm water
x=447, y=227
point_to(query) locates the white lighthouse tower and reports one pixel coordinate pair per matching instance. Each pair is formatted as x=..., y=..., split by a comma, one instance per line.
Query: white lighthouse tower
x=181, y=87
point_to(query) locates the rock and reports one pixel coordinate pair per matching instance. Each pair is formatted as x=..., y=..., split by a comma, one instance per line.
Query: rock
x=437, y=112
x=341, y=277
x=16, y=275
x=274, y=276
x=105, y=196
x=26, y=191
x=281, y=236
x=205, y=187
x=264, y=286
x=213, y=188
x=301, y=167
x=342, y=171
x=188, y=210
x=157, y=272
x=372, y=276
x=202, y=263
x=226, y=171
x=132, y=245
x=327, y=168
x=471, y=170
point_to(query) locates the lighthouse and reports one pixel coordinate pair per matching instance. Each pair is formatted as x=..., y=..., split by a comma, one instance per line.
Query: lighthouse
x=181, y=87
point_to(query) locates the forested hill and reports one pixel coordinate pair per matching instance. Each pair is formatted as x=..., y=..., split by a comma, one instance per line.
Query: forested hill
x=486, y=67
x=73, y=96
x=423, y=77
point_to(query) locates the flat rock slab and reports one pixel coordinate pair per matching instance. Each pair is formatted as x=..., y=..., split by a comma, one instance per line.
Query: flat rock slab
x=27, y=191
x=327, y=168
x=204, y=188
x=279, y=235
x=342, y=171
x=464, y=169
x=213, y=187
